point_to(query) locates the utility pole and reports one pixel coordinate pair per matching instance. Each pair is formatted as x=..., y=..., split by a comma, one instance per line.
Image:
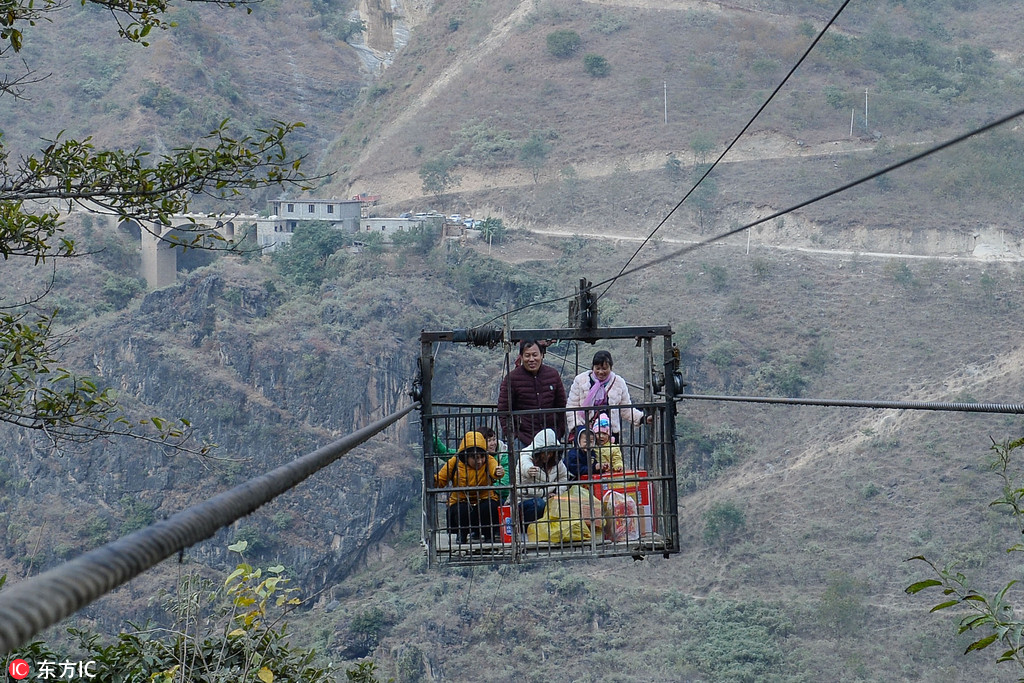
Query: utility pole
x=865, y=110
x=851, y=121
x=666, y=102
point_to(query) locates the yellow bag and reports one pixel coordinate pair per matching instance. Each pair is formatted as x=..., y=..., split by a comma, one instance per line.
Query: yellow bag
x=570, y=516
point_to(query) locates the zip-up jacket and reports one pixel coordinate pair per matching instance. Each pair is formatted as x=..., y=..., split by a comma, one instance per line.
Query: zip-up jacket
x=531, y=392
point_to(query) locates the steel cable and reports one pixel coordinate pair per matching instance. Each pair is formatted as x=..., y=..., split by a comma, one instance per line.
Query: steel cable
x=860, y=181
x=952, y=406
x=29, y=606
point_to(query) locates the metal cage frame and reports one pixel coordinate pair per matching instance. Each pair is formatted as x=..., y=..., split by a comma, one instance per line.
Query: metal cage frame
x=650, y=476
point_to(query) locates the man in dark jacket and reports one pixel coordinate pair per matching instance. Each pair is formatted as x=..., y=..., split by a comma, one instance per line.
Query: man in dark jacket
x=531, y=386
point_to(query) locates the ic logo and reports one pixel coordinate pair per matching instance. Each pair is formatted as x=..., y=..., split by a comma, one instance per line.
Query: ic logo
x=18, y=669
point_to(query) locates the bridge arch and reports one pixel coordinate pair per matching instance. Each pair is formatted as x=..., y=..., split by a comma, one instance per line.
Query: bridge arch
x=159, y=251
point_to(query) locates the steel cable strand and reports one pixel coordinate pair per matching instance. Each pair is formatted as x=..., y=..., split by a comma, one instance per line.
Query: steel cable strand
x=29, y=606
x=950, y=406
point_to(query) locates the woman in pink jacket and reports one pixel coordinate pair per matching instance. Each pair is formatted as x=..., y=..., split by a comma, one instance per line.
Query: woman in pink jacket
x=592, y=391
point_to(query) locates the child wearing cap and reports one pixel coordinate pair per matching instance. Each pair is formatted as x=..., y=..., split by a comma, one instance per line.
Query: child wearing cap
x=473, y=512
x=609, y=456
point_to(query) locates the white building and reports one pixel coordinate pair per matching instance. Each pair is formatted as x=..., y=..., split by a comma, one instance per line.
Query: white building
x=386, y=227
x=342, y=214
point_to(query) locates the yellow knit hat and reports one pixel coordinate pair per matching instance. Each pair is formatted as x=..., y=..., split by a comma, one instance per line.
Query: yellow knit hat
x=473, y=440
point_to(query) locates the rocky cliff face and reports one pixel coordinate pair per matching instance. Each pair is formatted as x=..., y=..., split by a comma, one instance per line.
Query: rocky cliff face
x=266, y=378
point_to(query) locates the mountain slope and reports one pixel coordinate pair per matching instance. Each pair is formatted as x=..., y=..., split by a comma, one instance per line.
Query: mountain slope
x=476, y=82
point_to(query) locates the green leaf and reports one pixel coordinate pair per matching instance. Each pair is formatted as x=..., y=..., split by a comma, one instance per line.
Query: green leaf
x=234, y=575
x=981, y=644
x=239, y=547
x=944, y=605
x=921, y=585
x=1001, y=594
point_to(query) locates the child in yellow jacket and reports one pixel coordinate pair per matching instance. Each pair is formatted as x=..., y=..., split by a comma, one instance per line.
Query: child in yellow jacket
x=472, y=513
x=609, y=456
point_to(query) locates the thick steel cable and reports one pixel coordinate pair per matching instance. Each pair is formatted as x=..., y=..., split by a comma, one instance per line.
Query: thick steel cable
x=29, y=606
x=956, y=406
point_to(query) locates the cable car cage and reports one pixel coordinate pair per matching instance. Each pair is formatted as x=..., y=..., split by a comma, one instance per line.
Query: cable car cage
x=632, y=512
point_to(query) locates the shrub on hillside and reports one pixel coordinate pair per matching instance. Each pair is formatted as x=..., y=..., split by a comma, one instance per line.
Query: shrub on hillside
x=778, y=379
x=488, y=282
x=118, y=290
x=731, y=641
x=596, y=65
x=609, y=23
x=723, y=521
x=564, y=44
x=841, y=609
x=347, y=28
x=705, y=455
x=900, y=272
x=719, y=277
x=482, y=143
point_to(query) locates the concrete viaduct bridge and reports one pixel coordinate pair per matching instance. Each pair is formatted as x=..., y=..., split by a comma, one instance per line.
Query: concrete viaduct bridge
x=160, y=249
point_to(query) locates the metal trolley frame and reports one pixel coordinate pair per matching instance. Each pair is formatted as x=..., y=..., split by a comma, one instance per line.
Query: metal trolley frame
x=648, y=478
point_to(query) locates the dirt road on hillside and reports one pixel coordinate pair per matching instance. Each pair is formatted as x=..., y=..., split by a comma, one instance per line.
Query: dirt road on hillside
x=408, y=186
x=404, y=187
x=739, y=240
